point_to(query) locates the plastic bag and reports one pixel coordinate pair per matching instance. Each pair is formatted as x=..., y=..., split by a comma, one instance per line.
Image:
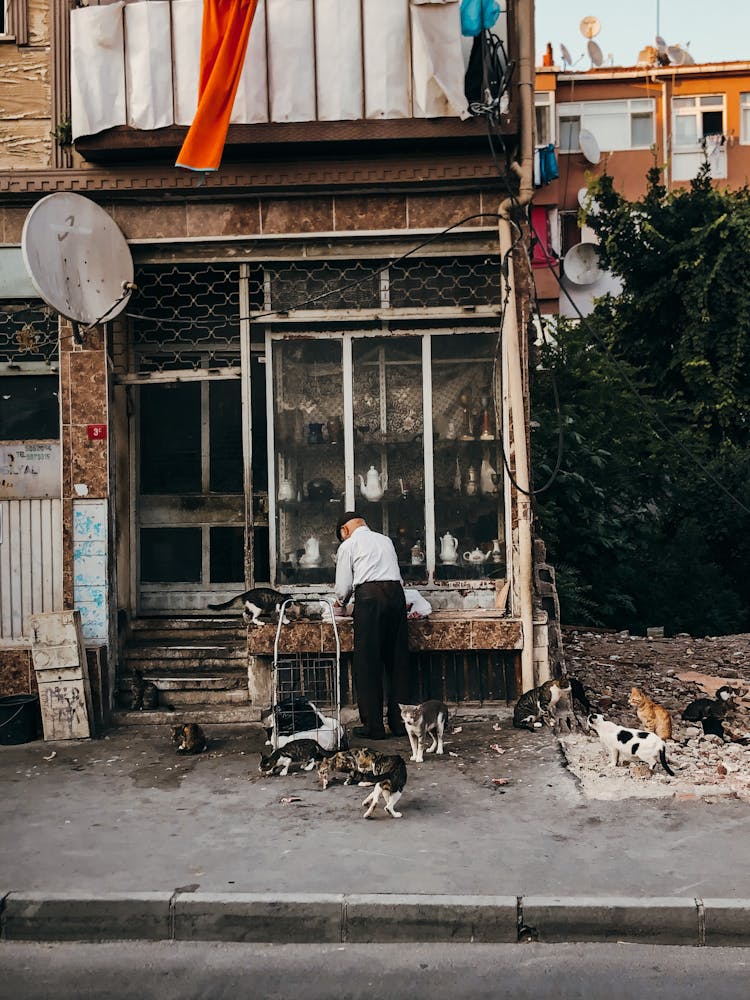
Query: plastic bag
x=478, y=16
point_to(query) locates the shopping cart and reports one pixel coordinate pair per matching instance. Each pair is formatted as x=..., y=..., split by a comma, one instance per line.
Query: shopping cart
x=306, y=693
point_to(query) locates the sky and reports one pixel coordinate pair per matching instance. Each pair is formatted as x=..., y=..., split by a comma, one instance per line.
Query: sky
x=717, y=30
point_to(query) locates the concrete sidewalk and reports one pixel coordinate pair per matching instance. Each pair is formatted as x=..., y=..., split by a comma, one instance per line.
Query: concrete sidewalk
x=120, y=838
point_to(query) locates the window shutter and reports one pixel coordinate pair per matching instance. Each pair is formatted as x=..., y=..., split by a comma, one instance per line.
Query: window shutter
x=18, y=21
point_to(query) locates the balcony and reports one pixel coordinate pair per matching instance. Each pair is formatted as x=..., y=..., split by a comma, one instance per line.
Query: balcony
x=318, y=72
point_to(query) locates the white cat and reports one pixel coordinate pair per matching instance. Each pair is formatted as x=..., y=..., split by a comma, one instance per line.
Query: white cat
x=624, y=742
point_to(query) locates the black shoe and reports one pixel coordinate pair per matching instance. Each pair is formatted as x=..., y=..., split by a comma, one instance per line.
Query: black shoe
x=363, y=733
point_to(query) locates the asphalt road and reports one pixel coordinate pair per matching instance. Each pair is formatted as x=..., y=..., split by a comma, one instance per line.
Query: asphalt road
x=122, y=971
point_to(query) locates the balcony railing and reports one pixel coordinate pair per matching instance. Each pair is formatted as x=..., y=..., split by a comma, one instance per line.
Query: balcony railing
x=348, y=62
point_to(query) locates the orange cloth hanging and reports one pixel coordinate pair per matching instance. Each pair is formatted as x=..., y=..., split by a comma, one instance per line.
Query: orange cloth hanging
x=226, y=29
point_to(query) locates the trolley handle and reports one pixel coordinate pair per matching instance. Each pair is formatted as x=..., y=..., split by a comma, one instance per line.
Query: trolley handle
x=321, y=600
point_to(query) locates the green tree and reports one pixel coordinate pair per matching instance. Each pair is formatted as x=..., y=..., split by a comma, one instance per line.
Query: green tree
x=655, y=405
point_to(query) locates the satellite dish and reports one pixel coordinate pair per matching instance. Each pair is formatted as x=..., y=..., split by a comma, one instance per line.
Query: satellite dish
x=590, y=27
x=581, y=264
x=595, y=53
x=566, y=56
x=77, y=258
x=589, y=146
x=588, y=204
x=679, y=56
x=661, y=45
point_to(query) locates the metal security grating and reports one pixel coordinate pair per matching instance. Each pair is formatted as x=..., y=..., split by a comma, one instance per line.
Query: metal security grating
x=28, y=332
x=446, y=282
x=324, y=285
x=186, y=316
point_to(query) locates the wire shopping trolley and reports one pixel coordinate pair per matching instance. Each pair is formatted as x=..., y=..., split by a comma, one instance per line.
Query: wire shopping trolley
x=306, y=691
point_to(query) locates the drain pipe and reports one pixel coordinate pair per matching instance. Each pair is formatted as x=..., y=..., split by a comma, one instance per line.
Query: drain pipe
x=515, y=408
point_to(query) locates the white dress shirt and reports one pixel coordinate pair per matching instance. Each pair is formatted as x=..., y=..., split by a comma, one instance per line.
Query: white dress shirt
x=364, y=557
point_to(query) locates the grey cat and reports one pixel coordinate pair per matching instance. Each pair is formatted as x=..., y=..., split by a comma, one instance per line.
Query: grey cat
x=258, y=601
x=429, y=717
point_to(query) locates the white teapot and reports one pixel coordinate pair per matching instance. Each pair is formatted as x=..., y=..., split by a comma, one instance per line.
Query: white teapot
x=311, y=555
x=475, y=556
x=286, y=490
x=448, y=548
x=375, y=486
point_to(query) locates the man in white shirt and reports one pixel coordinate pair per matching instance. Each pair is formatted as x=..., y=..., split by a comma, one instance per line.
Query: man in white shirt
x=367, y=566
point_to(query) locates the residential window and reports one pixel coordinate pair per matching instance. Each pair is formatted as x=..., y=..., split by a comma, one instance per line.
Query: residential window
x=698, y=133
x=616, y=125
x=745, y=118
x=696, y=118
x=545, y=129
x=14, y=20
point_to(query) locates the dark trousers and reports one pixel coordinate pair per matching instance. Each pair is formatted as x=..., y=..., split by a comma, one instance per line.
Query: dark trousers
x=381, y=645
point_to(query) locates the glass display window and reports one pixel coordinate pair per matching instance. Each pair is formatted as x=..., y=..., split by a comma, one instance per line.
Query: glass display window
x=402, y=428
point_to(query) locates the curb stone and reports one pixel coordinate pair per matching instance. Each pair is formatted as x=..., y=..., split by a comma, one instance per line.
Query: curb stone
x=358, y=918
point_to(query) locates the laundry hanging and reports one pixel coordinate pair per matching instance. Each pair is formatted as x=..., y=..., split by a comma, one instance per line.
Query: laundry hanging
x=226, y=29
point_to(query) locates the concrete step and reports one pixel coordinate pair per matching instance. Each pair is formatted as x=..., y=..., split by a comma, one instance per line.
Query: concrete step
x=198, y=649
x=153, y=666
x=202, y=713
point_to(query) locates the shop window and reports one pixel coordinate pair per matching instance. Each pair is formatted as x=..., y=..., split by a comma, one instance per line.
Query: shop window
x=29, y=408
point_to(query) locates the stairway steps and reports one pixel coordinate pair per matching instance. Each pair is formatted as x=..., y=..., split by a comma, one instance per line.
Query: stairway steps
x=202, y=713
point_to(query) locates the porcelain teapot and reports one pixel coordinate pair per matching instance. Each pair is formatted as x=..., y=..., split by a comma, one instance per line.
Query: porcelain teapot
x=311, y=555
x=286, y=490
x=375, y=486
x=448, y=548
x=475, y=556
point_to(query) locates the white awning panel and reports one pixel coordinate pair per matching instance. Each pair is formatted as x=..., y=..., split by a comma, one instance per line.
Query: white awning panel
x=97, y=69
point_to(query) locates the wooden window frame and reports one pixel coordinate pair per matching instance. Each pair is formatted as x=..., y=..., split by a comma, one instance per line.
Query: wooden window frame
x=16, y=21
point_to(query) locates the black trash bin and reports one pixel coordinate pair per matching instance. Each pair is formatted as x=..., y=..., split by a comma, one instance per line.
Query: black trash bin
x=19, y=718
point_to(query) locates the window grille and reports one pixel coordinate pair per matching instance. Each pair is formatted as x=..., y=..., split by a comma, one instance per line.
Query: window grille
x=28, y=332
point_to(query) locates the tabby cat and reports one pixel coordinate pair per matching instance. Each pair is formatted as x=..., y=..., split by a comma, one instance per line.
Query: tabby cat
x=388, y=771
x=189, y=738
x=143, y=694
x=305, y=753
x=655, y=718
x=539, y=705
x=258, y=601
x=429, y=717
x=342, y=762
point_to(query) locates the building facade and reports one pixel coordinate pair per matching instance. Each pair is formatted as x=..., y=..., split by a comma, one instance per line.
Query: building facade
x=672, y=116
x=314, y=327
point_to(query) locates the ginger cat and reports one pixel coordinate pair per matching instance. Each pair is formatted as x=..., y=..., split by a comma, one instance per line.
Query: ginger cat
x=653, y=717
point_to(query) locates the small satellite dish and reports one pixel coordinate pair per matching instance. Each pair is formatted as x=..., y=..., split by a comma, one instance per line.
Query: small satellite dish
x=595, y=53
x=661, y=45
x=77, y=258
x=588, y=204
x=581, y=264
x=566, y=56
x=590, y=27
x=589, y=146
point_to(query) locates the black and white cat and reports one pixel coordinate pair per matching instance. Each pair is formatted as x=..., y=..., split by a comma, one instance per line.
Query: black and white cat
x=305, y=753
x=431, y=717
x=624, y=742
x=256, y=602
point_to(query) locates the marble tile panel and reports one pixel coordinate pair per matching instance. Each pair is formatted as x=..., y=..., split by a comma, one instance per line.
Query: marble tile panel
x=439, y=635
x=237, y=218
x=65, y=387
x=301, y=637
x=355, y=212
x=88, y=387
x=260, y=639
x=67, y=456
x=93, y=340
x=139, y=221
x=436, y=211
x=346, y=637
x=496, y=633
x=297, y=215
x=12, y=223
x=89, y=462
x=15, y=672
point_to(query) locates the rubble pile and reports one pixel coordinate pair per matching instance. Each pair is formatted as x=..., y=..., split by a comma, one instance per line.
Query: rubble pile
x=673, y=672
